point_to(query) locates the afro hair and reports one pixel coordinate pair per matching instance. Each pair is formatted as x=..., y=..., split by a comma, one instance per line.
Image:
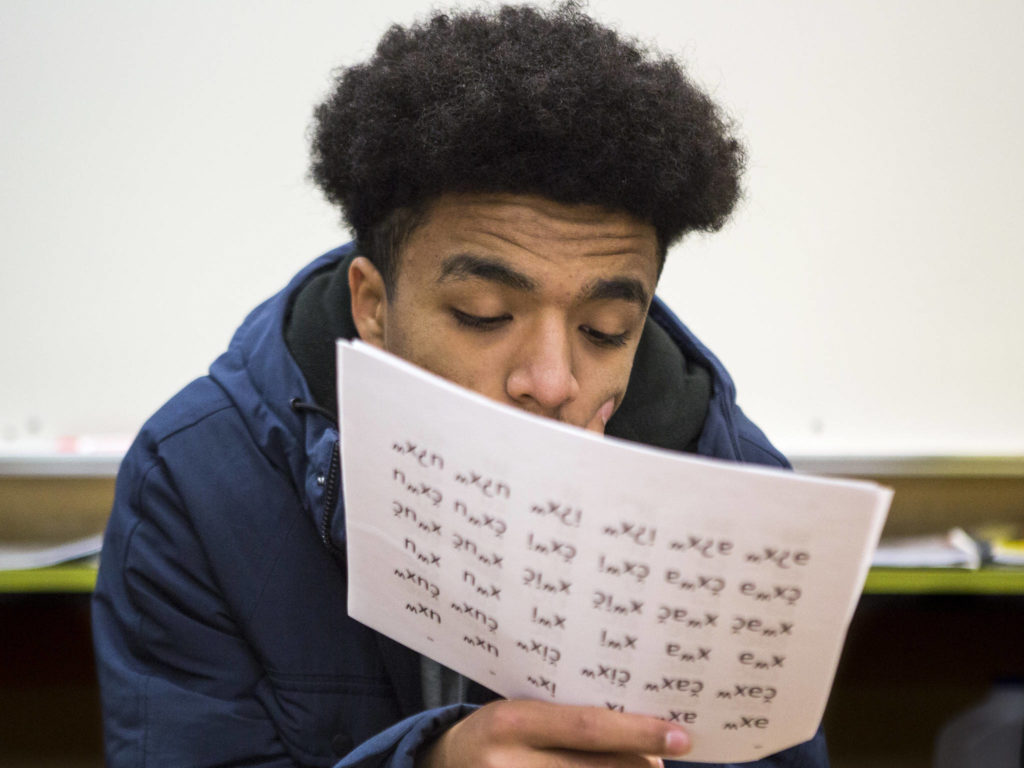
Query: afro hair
x=525, y=101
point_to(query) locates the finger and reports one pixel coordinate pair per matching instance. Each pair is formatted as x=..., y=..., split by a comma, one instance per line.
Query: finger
x=590, y=729
x=600, y=419
x=565, y=758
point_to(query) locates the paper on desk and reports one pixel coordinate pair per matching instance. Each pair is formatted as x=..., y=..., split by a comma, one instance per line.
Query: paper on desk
x=953, y=549
x=546, y=562
x=16, y=557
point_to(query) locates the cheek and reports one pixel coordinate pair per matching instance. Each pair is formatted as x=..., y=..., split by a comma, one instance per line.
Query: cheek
x=433, y=346
x=482, y=371
x=600, y=374
x=606, y=378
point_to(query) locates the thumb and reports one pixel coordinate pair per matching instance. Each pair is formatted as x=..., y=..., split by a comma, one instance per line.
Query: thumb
x=600, y=419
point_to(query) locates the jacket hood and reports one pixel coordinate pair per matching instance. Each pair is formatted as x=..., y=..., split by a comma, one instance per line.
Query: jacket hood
x=259, y=375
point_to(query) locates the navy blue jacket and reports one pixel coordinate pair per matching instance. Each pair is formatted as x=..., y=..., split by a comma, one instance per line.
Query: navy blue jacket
x=219, y=614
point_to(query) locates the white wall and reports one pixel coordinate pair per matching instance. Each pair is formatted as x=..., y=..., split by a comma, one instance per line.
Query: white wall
x=153, y=189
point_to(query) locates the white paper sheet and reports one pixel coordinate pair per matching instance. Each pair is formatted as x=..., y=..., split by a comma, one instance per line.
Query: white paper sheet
x=547, y=562
x=16, y=557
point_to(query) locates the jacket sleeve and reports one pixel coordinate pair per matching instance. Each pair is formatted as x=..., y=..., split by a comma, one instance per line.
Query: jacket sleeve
x=181, y=682
x=810, y=754
x=396, y=747
x=177, y=681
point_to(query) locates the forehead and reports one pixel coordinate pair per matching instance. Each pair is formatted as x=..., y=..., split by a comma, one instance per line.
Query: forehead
x=531, y=233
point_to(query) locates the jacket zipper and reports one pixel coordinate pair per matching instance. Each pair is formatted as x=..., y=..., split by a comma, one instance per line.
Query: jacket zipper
x=330, y=499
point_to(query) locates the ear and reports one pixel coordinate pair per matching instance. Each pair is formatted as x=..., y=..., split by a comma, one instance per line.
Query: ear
x=369, y=300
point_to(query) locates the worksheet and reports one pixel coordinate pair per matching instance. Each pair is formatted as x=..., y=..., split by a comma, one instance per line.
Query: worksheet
x=547, y=562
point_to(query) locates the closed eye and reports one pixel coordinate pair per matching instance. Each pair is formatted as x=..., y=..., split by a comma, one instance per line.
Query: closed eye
x=602, y=339
x=479, y=323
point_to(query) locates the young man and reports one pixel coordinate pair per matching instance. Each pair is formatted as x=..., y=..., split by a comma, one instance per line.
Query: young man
x=514, y=180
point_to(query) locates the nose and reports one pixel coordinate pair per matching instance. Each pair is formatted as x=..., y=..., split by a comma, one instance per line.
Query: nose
x=542, y=378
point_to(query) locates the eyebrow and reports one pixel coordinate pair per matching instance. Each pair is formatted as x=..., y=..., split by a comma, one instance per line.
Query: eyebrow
x=464, y=266
x=624, y=288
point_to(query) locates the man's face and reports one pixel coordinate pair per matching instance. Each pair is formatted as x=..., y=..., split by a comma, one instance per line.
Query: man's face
x=529, y=302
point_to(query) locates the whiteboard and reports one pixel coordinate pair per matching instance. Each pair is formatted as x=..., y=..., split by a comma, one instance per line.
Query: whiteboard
x=864, y=295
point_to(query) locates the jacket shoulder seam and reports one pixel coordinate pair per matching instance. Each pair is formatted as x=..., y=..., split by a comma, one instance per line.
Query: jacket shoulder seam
x=764, y=450
x=192, y=422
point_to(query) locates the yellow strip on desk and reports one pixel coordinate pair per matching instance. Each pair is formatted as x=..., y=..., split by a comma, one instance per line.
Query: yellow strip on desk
x=880, y=581
x=946, y=581
x=57, y=578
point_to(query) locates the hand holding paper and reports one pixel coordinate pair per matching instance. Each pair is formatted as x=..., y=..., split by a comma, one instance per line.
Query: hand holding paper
x=519, y=733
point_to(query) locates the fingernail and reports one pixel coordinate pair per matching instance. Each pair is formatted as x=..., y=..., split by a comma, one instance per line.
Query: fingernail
x=606, y=411
x=676, y=742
